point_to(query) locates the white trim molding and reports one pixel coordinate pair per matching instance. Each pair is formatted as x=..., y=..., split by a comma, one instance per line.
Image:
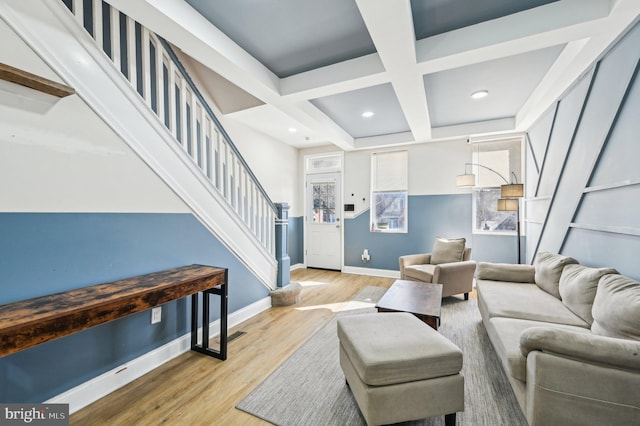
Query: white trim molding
x=102, y=385
x=386, y=273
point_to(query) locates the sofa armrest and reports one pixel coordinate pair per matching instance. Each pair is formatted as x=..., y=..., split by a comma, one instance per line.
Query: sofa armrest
x=506, y=272
x=621, y=353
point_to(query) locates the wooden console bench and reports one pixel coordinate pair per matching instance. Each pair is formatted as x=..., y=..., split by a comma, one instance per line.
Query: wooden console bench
x=30, y=322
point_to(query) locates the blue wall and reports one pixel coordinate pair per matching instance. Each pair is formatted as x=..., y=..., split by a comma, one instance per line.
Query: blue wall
x=430, y=216
x=583, y=193
x=46, y=253
x=296, y=240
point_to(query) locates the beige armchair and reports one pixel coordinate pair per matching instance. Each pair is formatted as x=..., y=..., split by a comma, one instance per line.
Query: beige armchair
x=456, y=277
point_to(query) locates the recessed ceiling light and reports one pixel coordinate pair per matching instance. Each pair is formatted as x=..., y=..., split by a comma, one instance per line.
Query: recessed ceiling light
x=293, y=129
x=368, y=114
x=479, y=94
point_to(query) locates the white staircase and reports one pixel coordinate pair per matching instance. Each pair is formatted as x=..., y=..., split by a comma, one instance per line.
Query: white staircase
x=153, y=105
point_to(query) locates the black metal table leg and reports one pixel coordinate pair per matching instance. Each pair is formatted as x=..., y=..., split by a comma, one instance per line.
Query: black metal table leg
x=204, y=348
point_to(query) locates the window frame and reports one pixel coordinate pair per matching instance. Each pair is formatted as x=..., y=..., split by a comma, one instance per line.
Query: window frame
x=395, y=186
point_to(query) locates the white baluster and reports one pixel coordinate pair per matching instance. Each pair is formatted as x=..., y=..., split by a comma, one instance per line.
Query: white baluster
x=184, y=96
x=115, y=36
x=217, y=160
x=271, y=224
x=225, y=167
x=206, y=160
x=78, y=11
x=234, y=181
x=172, y=100
x=194, y=127
x=97, y=22
x=241, y=183
x=146, y=66
x=131, y=53
x=254, y=209
x=160, y=79
x=203, y=139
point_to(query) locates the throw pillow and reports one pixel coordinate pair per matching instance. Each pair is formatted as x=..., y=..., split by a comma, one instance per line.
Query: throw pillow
x=549, y=267
x=616, y=308
x=447, y=250
x=578, y=285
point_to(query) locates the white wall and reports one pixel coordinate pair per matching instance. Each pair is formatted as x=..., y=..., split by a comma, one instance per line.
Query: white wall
x=433, y=168
x=68, y=160
x=274, y=163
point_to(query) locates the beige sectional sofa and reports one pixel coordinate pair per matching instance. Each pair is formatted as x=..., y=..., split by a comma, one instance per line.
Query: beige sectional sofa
x=568, y=337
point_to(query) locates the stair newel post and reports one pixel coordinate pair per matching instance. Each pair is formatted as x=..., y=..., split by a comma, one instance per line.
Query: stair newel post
x=282, y=252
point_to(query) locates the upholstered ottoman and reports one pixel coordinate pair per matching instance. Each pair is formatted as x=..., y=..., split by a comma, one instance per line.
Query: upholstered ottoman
x=399, y=368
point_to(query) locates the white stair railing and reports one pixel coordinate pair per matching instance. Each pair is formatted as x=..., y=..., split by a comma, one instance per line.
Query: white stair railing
x=154, y=71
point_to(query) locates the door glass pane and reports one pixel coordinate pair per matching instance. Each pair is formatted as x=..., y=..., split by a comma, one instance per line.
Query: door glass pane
x=324, y=202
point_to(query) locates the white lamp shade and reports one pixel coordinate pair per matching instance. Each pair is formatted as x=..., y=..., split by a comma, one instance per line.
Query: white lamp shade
x=465, y=180
x=512, y=190
x=508, y=204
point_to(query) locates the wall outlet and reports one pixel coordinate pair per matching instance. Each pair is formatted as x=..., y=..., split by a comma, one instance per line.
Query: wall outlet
x=365, y=256
x=156, y=315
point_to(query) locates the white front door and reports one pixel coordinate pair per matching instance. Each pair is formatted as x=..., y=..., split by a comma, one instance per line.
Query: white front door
x=324, y=221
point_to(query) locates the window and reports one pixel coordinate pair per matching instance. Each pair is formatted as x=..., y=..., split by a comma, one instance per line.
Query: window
x=495, y=164
x=486, y=218
x=389, y=192
x=324, y=204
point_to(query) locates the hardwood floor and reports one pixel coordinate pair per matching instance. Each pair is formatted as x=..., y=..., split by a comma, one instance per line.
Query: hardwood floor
x=193, y=389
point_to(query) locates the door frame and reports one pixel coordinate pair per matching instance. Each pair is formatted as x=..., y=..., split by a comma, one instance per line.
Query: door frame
x=340, y=209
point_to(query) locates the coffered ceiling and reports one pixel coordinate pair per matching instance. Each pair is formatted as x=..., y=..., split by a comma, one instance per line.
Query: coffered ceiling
x=412, y=65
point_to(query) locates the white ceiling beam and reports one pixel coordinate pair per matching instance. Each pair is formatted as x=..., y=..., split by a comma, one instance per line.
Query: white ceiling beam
x=475, y=128
x=329, y=80
x=390, y=26
x=544, y=26
x=393, y=139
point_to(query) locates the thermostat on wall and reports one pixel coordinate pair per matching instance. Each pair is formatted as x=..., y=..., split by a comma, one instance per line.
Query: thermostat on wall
x=349, y=207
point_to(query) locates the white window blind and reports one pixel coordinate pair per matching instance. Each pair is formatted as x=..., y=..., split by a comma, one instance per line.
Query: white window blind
x=389, y=192
x=389, y=171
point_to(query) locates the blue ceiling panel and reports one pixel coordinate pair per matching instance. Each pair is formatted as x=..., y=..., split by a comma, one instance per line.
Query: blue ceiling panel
x=432, y=17
x=291, y=36
x=346, y=110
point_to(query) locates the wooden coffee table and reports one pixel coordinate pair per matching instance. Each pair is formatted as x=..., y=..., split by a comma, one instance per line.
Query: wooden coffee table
x=424, y=300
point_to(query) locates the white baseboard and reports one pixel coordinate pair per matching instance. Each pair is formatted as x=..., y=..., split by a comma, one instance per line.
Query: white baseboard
x=297, y=266
x=102, y=385
x=387, y=273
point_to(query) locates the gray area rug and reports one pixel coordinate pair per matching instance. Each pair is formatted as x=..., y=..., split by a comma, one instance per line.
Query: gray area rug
x=309, y=387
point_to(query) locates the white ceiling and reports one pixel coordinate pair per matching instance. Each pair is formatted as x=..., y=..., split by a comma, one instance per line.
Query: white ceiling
x=317, y=65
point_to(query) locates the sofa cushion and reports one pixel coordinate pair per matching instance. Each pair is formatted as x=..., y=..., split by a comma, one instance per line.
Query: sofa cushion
x=505, y=336
x=616, y=308
x=447, y=250
x=578, y=285
x=422, y=273
x=505, y=272
x=549, y=267
x=523, y=301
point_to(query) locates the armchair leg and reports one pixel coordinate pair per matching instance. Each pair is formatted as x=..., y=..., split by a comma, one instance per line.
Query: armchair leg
x=466, y=296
